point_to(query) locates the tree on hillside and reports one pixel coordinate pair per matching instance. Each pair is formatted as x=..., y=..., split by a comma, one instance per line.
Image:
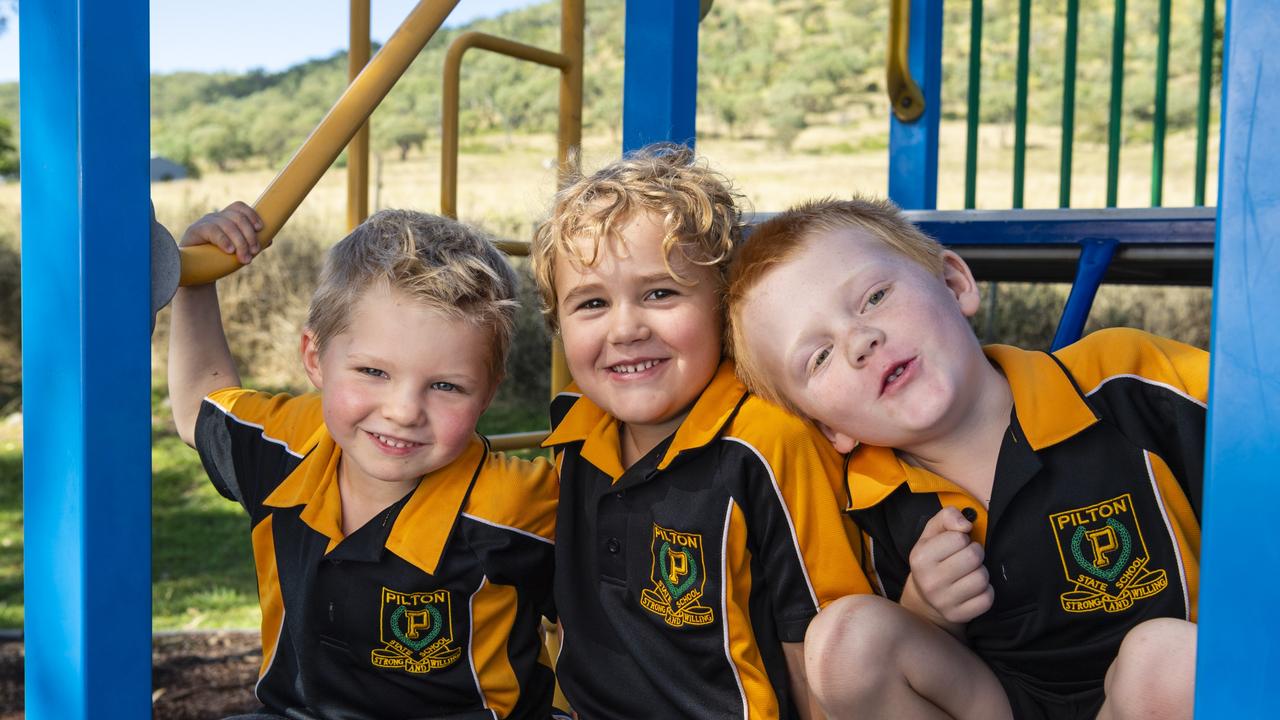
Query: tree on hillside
x=221, y=144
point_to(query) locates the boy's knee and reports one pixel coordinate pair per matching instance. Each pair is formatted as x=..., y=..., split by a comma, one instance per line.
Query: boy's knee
x=1153, y=675
x=848, y=644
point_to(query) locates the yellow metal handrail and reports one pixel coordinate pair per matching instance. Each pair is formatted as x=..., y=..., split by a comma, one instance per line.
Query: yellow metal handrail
x=904, y=94
x=205, y=263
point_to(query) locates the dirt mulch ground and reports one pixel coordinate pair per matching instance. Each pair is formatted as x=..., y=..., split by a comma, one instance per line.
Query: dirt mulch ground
x=194, y=676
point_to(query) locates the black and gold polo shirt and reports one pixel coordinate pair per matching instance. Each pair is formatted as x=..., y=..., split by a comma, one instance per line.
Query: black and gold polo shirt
x=1093, y=525
x=678, y=579
x=430, y=610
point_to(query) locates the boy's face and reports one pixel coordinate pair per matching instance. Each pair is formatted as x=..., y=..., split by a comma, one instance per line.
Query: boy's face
x=639, y=344
x=866, y=341
x=402, y=387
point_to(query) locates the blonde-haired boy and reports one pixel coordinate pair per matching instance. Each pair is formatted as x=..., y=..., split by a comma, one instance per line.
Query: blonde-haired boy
x=403, y=568
x=1038, y=513
x=699, y=528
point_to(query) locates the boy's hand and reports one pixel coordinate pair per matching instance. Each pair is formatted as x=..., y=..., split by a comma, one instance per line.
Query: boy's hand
x=233, y=229
x=947, y=569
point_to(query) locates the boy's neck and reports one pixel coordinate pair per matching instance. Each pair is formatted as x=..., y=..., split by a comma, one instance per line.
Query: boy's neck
x=635, y=441
x=967, y=455
x=364, y=498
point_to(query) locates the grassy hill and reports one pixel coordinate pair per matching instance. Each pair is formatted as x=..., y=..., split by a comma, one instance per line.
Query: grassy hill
x=767, y=68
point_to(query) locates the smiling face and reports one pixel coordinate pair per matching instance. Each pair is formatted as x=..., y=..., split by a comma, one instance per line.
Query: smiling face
x=640, y=344
x=402, y=387
x=868, y=342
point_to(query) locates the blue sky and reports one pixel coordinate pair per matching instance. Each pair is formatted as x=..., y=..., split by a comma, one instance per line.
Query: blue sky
x=238, y=35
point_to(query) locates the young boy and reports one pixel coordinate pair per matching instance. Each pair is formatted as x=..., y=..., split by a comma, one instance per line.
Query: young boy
x=699, y=528
x=403, y=569
x=1042, y=510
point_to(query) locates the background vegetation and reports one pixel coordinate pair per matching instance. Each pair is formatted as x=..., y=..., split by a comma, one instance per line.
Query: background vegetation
x=791, y=106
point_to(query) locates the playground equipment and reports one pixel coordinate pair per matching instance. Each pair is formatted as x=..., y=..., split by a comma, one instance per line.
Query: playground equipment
x=85, y=290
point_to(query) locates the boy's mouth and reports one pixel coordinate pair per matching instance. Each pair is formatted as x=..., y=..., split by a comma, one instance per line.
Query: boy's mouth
x=637, y=367
x=896, y=374
x=393, y=445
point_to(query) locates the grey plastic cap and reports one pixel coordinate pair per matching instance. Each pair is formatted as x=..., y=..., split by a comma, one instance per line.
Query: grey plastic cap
x=166, y=267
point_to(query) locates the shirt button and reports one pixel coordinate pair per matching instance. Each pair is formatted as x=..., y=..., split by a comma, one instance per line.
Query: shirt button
x=613, y=546
x=617, y=496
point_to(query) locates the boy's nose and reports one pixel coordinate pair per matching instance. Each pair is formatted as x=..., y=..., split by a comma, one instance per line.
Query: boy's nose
x=863, y=344
x=627, y=325
x=404, y=409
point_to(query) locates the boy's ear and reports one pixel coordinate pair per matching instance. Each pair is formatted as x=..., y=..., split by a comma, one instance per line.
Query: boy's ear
x=843, y=443
x=311, y=358
x=959, y=279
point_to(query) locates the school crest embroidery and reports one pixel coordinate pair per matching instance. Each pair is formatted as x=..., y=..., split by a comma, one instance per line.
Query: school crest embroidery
x=1105, y=557
x=416, y=632
x=679, y=577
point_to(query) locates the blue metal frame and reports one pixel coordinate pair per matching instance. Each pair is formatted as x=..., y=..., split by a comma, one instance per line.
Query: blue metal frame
x=913, y=147
x=660, y=76
x=1129, y=226
x=86, y=314
x=1238, y=662
x=1095, y=256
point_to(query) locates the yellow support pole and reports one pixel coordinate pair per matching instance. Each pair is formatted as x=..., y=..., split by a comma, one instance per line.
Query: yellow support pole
x=569, y=136
x=206, y=263
x=358, y=150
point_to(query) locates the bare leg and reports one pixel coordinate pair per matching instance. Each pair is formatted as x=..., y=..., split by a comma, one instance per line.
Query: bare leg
x=1153, y=676
x=868, y=657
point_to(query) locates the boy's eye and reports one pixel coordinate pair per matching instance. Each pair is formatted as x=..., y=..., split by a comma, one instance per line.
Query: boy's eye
x=445, y=387
x=877, y=297
x=820, y=358
x=592, y=304
x=661, y=294
x=371, y=372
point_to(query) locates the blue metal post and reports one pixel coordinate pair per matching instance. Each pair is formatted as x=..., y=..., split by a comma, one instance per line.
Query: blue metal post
x=86, y=358
x=660, y=77
x=913, y=147
x=1095, y=256
x=1238, y=660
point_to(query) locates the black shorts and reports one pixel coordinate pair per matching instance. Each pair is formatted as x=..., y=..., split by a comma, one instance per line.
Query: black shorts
x=1030, y=701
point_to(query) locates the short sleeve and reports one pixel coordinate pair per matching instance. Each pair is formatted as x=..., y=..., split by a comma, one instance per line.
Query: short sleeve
x=250, y=441
x=809, y=550
x=511, y=522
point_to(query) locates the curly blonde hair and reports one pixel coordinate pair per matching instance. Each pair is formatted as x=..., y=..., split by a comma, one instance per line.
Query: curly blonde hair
x=695, y=205
x=446, y=265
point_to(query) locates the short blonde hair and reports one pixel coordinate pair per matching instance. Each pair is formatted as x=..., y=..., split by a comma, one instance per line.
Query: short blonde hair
x=776, y=240
x=696, y=206
x=442, y=263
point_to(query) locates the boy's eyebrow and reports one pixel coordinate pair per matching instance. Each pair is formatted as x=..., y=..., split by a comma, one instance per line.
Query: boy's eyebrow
x=580, y=290
x=656, y=277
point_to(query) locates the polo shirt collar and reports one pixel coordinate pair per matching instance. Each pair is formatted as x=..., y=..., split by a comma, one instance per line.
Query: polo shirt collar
x=1049, y=409
x=587, y=423
x=422, y=528
x=1049, y=406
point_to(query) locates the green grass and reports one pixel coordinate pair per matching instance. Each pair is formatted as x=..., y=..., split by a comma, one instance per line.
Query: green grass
x=10, y=538
x=202, y=563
